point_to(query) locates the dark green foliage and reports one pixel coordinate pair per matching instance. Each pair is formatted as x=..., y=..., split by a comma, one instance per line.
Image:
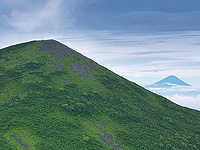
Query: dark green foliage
x=12, y=74
x=58, y=73
x=32, y=66
x=15, y=47
x=47, y=113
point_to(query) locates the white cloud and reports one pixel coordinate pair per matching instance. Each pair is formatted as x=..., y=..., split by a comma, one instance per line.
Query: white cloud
x=187, y=96
x=30, y=20
x=186, y=101
x=50, y=16
x=177, y=89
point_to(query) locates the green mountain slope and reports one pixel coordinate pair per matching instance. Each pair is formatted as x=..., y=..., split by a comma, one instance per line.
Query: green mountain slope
x=53, y=98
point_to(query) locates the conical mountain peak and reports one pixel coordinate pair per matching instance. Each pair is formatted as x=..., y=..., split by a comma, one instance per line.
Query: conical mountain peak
x=169, y=81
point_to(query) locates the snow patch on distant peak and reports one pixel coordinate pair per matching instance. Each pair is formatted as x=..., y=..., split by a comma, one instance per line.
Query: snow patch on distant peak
x=168, y=82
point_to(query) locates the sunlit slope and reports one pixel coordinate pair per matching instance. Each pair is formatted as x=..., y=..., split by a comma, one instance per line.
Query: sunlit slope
x=52, y=97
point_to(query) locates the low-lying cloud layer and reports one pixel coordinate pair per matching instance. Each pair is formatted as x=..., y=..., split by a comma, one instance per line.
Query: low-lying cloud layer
x=186, y=96
x=186, y=101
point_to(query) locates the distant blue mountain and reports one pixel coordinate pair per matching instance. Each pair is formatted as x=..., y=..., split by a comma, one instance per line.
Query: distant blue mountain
x=168, y=82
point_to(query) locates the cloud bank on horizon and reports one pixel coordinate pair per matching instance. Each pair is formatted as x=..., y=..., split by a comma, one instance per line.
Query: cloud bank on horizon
x=186, y=101
x=182, y=95
x=141, y=40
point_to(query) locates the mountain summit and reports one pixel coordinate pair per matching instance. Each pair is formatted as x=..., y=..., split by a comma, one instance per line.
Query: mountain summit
x=52, y=97
x=168, y=82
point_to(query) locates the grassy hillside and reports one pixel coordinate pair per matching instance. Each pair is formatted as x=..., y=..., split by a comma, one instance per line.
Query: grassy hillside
x=53, y=98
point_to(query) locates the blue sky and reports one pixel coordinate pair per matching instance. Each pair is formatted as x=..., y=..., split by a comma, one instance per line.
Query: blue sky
x=142, y=40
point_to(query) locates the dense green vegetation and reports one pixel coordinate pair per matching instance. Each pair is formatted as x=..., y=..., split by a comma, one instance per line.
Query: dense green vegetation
x=62, y=100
